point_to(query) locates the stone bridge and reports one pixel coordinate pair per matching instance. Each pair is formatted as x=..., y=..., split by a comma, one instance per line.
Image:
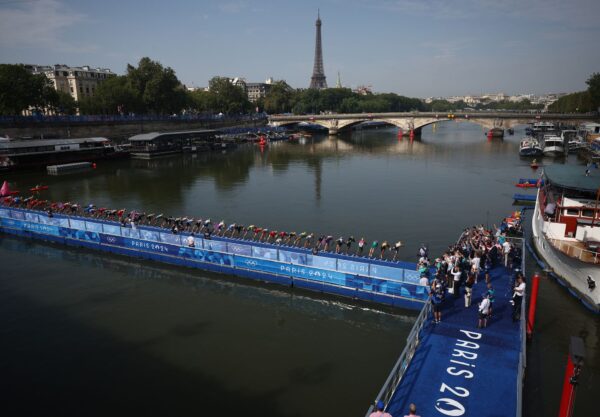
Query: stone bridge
x=415, y=121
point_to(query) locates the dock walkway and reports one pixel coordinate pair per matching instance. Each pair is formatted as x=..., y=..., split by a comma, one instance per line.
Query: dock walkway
x=460, y=370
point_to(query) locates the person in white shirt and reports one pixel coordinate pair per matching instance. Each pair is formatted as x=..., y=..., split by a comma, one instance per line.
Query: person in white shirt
x=484, y=311
x=506, y=250
x=519, y=292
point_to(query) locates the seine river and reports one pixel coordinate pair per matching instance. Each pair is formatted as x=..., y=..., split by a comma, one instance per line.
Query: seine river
x=84, y=333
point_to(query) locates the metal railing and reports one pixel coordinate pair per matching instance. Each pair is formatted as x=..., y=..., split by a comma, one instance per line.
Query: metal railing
x=523, y=355
x=395, y=377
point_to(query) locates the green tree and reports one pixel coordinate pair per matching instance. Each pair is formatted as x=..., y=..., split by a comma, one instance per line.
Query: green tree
x=572, y=103
x=279, y=98
x=21, y=90
x=226, y=97
x=158, y=87
x=113, y=96
x=594, y=90
x=65, y=103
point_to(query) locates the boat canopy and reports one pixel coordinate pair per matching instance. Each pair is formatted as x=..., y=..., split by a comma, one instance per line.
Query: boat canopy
x=573, y=177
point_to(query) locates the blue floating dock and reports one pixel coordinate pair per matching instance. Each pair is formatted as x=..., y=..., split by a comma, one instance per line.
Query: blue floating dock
x=460, y=370
x=378, y=281
x=524, y=197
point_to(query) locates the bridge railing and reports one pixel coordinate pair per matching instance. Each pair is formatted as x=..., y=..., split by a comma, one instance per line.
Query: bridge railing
x=395, y=377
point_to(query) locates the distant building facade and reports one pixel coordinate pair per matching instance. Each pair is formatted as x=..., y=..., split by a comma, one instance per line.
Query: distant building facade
x=79, y=82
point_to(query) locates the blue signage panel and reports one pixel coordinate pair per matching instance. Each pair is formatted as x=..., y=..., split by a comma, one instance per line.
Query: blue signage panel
x=381, y=271
x=93, y=226
x=128, y=232
x=149, y=235
x=77, y=224
x=79, y=234
x=411, y=276
x=292, y=257
x=5, y=213
x=353, y=267
x=31, y=217
x=112, y=240
x=201, y=255
x=31, y=227
x=112, y=229
x=321, y=262
x=264, y=253
x=157, y=247
x=215, y=245
x=16, y=214
x=239, y=249
x=170, y=238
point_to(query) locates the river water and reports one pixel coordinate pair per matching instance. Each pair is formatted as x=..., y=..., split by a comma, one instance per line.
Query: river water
x=90, y=333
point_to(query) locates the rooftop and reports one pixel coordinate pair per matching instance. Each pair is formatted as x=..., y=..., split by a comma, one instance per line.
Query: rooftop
x=573, y=177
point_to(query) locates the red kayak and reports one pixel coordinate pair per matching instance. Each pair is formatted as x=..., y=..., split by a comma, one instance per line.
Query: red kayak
x=525, y=185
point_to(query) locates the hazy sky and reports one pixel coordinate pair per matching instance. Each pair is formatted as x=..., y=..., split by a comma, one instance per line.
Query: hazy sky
x=418, y=48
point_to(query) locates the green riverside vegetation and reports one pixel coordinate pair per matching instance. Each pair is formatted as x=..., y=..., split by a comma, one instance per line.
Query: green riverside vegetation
x=152, y=89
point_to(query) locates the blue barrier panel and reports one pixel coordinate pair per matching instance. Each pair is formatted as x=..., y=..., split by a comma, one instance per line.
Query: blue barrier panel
x=257, y=264
x=170, y=238
x=16, y=214
x=31, y=227
x=149, y=235
x=77, y=224
x=132, y=233
x=265, y=253
x=321, y=262
x=93, y=226
x=151, y=246
x=353, y=267
x=31, y=217
x=412, y=276
x=5, y=213
x=84, y=235
x=292, y=257
x=215, y=245
x=192, y=241
x=239, y=249
x=201, y=255
x=112, y=240
x=112, y=229
x=387, y=272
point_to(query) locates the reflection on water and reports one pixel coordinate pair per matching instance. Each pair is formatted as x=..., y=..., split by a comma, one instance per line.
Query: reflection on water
x=365, y=183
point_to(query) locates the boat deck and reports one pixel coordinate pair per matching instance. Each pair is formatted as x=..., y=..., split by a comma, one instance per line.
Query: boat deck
x=493, y=364
x=576, y=249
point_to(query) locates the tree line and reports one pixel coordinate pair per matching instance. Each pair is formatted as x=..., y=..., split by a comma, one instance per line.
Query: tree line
x=582, y=101
x=152, y=89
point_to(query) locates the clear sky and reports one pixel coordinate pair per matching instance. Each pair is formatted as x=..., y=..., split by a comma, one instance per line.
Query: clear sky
x=418, y=48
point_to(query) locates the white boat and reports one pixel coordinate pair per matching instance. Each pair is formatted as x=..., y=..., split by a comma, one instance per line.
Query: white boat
x=566, y=229
x=543, y=127
x=572, y=140
x=553, y=145
x=530, y=146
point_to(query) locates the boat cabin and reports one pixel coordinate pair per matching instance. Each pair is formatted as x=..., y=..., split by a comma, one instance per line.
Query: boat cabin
x=570, y=201
x=148, y=145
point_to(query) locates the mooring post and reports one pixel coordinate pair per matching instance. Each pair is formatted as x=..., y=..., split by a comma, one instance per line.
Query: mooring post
x=535, y=283
x=574, y=365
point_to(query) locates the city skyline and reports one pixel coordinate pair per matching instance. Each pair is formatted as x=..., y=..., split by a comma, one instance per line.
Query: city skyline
x=413, y=48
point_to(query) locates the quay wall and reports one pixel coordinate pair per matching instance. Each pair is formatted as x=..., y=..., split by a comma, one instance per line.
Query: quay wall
x=114, y=130
x=382, y=282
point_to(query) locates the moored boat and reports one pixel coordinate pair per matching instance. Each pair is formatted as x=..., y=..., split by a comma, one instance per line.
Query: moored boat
x=530, y=146
x=553, y=145
x=31, y=153
x=566, y=229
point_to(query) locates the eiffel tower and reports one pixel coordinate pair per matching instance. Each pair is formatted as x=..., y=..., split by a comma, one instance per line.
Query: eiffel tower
x=318, y=77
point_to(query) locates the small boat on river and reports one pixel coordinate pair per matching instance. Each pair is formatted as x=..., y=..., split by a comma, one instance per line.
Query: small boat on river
x=530, y=146
x=553, y=145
